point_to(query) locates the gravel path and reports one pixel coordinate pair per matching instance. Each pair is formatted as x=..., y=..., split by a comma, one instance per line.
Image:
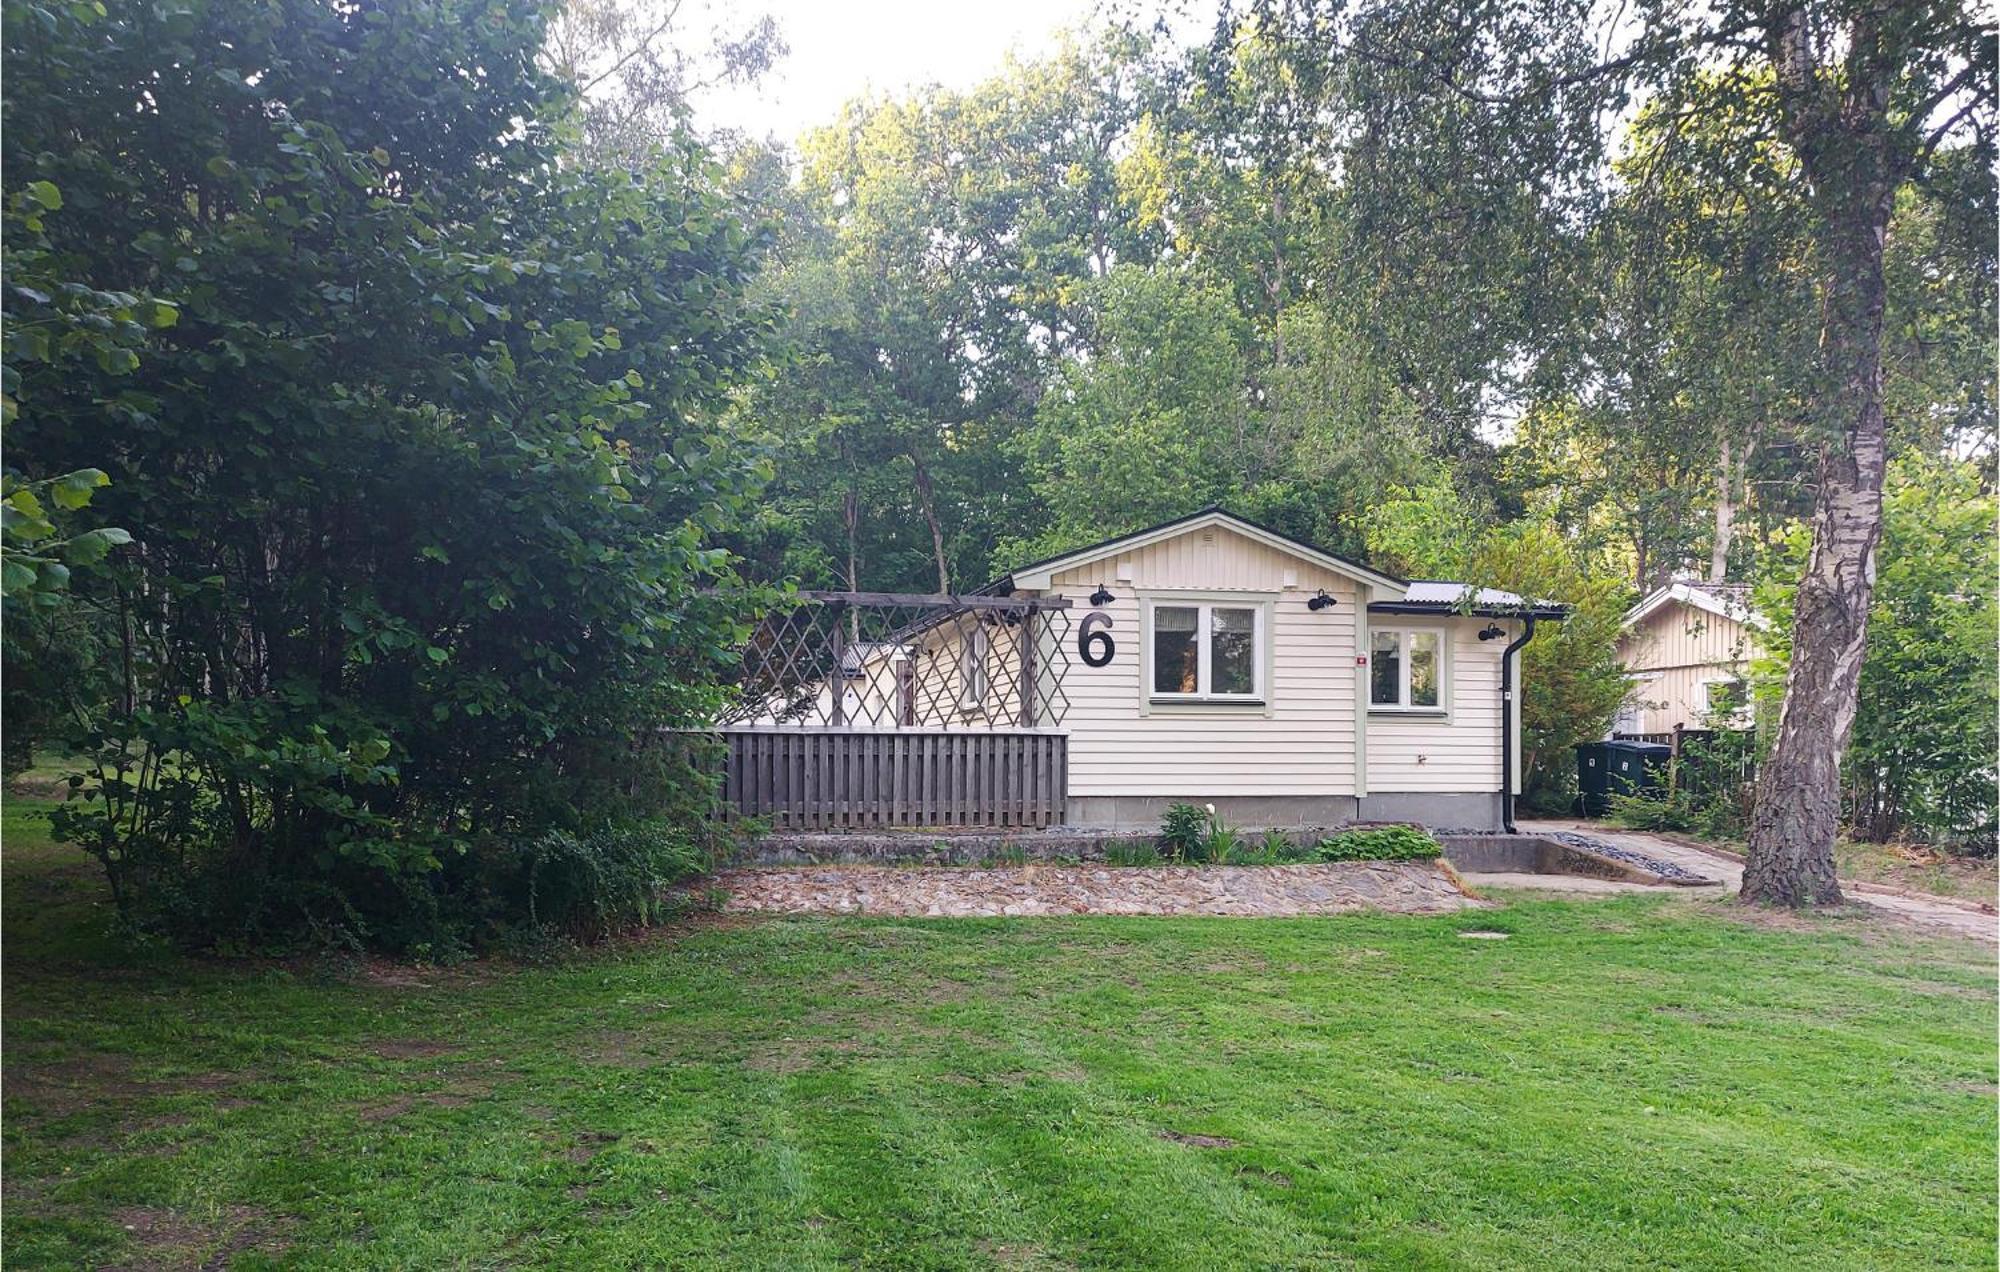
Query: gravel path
x=949, y=892
x=1964, y=918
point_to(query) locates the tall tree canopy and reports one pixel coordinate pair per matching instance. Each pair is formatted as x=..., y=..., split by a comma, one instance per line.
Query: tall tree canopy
x=423, y=480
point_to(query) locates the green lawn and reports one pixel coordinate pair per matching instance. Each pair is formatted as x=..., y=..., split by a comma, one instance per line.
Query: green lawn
x=1633, y=1082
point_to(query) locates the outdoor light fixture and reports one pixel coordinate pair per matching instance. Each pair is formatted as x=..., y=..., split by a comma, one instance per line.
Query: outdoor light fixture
x=1102, y=596
x=1320, y=602
x=1493, y=631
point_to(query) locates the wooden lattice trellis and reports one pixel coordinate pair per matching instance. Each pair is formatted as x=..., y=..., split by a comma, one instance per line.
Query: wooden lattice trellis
x=895, y=660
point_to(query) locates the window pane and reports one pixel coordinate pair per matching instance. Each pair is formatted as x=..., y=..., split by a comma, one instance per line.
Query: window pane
x=1423, y=669
x=1232, y=654
x=1386, y=668
x=1176, y=659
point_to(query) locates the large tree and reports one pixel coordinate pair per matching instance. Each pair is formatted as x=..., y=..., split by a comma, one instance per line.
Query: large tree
x=1497, y=113
x=422, y=482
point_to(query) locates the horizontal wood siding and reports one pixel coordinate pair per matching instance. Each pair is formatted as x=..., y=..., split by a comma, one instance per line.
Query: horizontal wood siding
x=1302, y=743
x=827, y=779
x=1442, y=754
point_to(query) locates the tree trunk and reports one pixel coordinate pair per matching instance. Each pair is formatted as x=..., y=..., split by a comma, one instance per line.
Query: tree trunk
x=1725, y=517
x=927, y=500
x=1798, y=807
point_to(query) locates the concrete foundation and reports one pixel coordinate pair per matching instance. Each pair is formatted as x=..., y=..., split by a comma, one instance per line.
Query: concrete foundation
x=1245, y=812
x=1470, y=811
x=1292, y=812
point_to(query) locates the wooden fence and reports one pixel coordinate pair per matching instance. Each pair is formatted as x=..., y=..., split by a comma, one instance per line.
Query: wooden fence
x=824, y=779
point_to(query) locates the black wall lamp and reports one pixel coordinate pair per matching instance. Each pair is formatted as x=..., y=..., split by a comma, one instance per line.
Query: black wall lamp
x=1492, y=631
x=1102, y=596
x=1320, y=602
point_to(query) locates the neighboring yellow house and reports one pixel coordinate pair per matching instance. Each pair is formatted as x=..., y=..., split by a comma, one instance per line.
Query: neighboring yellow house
x=1687, y=650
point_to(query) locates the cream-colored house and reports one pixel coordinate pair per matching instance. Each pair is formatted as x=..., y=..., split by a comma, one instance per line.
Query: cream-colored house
x=1687, y=650
x=1284, y=684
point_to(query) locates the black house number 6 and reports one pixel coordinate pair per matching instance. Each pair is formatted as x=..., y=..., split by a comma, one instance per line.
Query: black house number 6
x=1093, y=645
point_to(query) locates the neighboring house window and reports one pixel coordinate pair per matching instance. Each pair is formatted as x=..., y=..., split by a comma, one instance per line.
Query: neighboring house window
x=1209, y=652
x=1724, y=702
x=1406, y=669
x=972, y=659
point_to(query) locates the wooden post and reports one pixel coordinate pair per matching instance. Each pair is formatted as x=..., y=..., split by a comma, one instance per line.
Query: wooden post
x=1027, y=638
x=906, y=692
x=838, y=683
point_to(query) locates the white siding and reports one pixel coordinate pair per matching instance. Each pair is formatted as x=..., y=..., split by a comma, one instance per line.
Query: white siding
x=1680, y=647
x=1301, y=743
x=1458, y=753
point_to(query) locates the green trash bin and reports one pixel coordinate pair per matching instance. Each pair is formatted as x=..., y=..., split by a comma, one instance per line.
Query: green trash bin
x=1619, y=767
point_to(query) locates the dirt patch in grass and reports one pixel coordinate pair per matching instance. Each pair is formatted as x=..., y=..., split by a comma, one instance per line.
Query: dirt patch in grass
x=788, y=1056
x=170, y=1239
x=59, y=1087
x=412, y=1049
x=587, y=1145
x=1275, y=1178
x=1197, y=1141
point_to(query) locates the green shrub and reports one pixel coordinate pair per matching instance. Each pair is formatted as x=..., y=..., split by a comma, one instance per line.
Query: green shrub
x=1675, y=810
x=1273, y=848
x=1220, y=843
x=1184, y=833
x=1132, y=852
x=1379, y=843
x=589, y=884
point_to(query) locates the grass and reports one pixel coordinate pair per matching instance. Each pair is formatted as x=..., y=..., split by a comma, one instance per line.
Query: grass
x=1631, y=1082
x=1919, y=870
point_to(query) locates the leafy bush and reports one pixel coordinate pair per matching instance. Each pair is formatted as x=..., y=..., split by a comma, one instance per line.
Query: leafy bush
x=1274, y=848
x=1379, y=843
x=1674, y=810
x=425, y=478
x=1132, y=852
x=1221, y=842
x=1184, y=833
x=589, y=884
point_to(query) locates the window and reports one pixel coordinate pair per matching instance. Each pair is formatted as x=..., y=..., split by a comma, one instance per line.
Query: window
x=1405, y=669
x=1207, y=652
x=973, y=655
x=1724, y=703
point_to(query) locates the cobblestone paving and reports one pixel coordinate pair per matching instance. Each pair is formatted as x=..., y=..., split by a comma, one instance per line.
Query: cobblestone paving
x=1404, y=888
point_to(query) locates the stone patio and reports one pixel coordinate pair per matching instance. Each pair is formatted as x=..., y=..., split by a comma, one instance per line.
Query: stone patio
x=1253, y=891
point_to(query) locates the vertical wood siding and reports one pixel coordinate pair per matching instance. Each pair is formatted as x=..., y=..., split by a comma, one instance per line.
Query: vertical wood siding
x=1682, y=647
x=827, y=779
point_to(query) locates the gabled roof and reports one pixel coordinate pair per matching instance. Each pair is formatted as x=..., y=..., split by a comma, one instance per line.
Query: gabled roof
x=1724, y=600
x=1038, y=574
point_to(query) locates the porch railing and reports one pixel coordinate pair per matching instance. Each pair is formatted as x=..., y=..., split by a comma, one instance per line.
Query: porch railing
x=846, y=778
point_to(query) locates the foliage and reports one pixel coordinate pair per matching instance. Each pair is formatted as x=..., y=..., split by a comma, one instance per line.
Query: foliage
x=590, y=883
x=1272, y=848
x=423, y=475
x=1379, y=843
x=1571, y=681
x=1921, y=759
x=1132, y=852
x=1184, y=831
x=1670, y=810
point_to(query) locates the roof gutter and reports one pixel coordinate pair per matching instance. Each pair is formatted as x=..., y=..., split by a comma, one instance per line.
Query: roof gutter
x=1507, y=709
x=1435, y=610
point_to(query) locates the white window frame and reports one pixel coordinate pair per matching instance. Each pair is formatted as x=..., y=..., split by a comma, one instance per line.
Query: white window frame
x=1403, y=705
x=1204, y=607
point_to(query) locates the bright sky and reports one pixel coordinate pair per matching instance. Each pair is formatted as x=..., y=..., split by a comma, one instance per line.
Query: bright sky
x=841, y=49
